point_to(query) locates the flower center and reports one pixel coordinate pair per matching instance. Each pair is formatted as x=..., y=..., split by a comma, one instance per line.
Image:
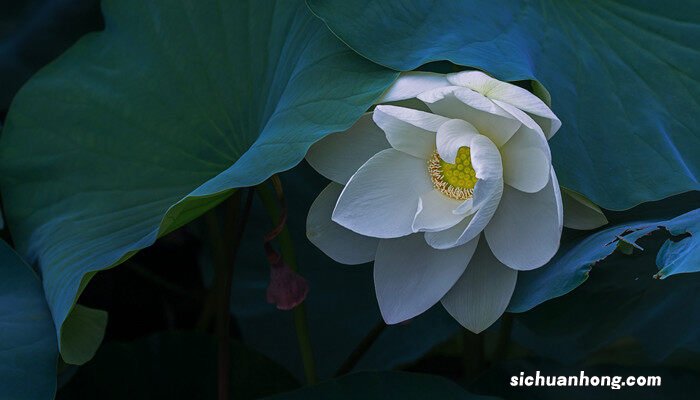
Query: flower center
x=453, y=180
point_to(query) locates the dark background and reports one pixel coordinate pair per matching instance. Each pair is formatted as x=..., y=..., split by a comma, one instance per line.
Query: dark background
x=620, y=322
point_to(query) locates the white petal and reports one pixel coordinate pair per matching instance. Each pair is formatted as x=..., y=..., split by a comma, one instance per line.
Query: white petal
x=523, y=117
x=389, y=115
x=340, y=244
x=581, y=213
x=381, y=199
x=485, y=158
x=410, y=277
x=509, y=93
x=407, y=130
x=411, y=84
x=452, y=135
x=467, y=206
x=487, y=194
x=526, y=160
x=549, y=125
x=448, y=238
x=475, y=80
x=462, y=103
x=436, y=212
x=560, y=204
x=482, y=293
x=339, y=155
x=525, y=231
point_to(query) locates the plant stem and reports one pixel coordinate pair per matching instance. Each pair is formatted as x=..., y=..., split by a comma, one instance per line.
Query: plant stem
x=225, y=243
x=361, y=349
x=473, y=354
x=503, y=343
x=273, y=207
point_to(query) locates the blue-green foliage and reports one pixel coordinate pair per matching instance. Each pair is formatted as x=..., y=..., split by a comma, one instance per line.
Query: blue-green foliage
x=624, y=77
x=28, y=349
x=137, y=130
x=571, y=267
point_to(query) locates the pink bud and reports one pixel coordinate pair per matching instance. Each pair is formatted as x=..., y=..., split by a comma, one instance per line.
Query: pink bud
x=287, y=289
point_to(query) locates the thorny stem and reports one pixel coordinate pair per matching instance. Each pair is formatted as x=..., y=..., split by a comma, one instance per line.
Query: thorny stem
x=361, y=349
x=276, y=208
x=225, y=243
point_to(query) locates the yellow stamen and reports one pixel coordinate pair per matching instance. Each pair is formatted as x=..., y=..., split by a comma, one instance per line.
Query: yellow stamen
x=453, y=180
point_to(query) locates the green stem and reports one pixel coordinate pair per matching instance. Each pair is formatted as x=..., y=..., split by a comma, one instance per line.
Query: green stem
x=503, y=344
x=225, y=243
x=301, y=326
x=473, y=354
x=361, y=349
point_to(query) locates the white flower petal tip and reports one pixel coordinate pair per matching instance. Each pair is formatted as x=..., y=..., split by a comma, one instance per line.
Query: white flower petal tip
x=511, y=94
x=453, y=135
x=407, y=130
x=482, y=293
x=487, y=195
x=526, y=160
x=486, y=158
x=410, y=277
x=339, y=155
x=381, y=198
x=581, y=213
x=340, y=244
x=436, y=212
x=461, y=103
x=525, y=231
x=410, y=84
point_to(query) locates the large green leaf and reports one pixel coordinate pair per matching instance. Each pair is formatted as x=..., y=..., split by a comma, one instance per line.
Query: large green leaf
x=174, y=365
x=383, y=385
x=28, y=349
x=624, y=76
x=570, y=268
x=136, y=130
x=626, y=305
x=83, y=332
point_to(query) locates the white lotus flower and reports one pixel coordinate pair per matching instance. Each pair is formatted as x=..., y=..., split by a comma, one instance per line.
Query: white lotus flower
x=450, y=191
